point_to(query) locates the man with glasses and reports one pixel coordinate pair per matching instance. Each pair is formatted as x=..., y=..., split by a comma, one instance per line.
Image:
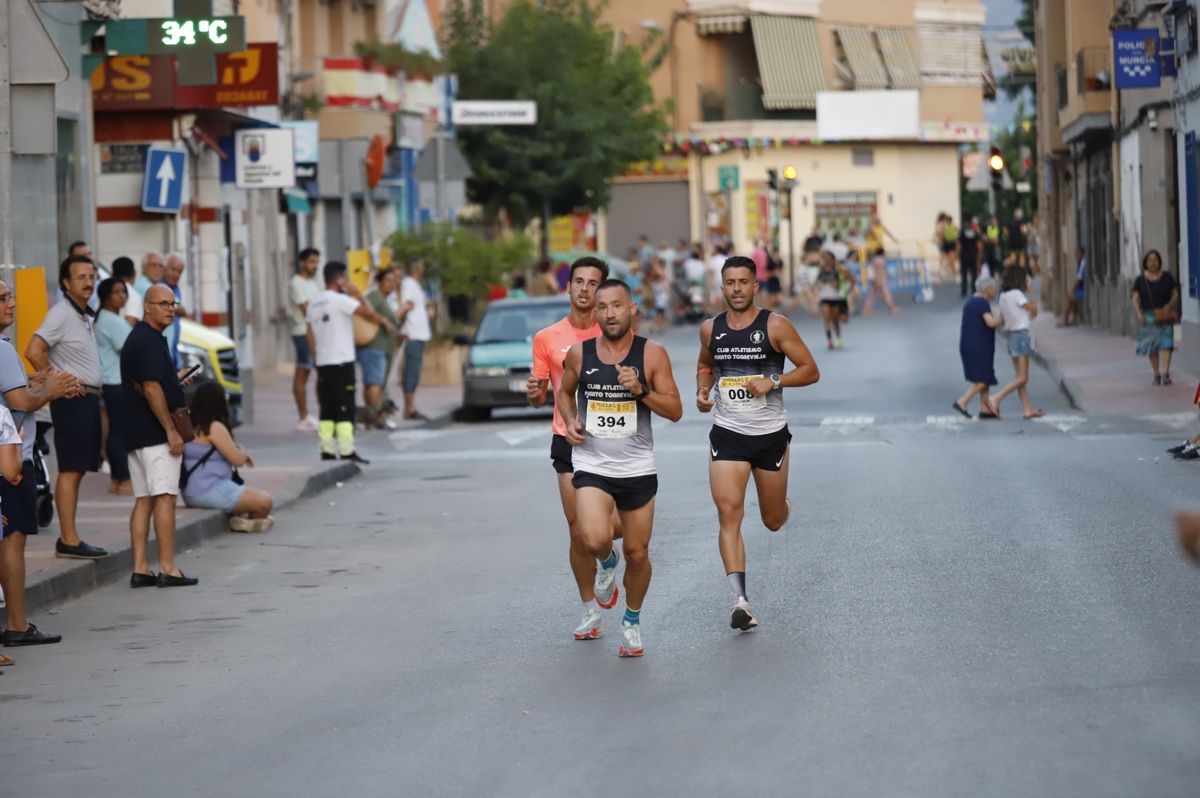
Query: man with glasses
x=66, y=341
x=18, y=503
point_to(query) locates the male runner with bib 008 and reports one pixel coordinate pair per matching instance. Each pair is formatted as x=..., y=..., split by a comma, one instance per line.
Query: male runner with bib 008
x=550, y=347
x=610, y=386
x=742, y=354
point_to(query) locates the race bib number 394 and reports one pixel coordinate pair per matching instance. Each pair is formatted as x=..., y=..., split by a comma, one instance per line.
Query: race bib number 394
x=736, y=396
x=611, y=419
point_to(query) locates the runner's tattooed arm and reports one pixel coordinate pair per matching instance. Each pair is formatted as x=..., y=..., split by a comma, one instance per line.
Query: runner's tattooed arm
x=564, y=400
x=704, y=370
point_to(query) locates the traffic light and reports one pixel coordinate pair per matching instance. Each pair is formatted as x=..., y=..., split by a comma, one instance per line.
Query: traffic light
x=773, y=179
x=789, y=173
x=996, y=166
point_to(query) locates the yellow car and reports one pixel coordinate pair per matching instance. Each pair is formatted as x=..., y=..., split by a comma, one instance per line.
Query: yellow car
x=218, y=361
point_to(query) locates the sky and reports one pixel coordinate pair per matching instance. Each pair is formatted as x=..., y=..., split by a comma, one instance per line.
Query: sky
x=1000, y=13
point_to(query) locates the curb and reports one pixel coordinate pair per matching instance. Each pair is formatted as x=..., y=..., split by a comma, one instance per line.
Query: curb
x=1065, y=384
x=84, y=576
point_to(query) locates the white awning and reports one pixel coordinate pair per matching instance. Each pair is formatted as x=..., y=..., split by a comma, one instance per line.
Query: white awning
x=724, y=23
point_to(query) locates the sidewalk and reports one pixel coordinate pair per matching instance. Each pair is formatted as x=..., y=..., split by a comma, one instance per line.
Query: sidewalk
x=286, y=466
x=1100, y=373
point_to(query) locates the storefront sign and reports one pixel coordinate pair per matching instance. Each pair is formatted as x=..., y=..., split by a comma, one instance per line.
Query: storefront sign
x=122, y=159
x=147, y=82
x=264, y=158
x=1136, y=52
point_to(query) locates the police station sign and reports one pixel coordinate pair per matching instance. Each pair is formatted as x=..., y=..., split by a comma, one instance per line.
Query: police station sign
x=1136, y=53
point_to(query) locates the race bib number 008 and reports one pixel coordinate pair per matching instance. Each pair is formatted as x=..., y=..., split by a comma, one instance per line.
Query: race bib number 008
x=736, y=396
x=611, y=419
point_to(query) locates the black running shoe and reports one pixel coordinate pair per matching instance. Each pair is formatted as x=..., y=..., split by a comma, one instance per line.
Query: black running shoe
x=1190, y=453
x=353, y=457
x=1179, y=448
x=328, y=456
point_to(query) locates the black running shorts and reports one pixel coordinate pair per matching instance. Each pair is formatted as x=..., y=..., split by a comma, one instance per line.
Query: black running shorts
x=630, y=493
x=560, y=455
x=764, y=452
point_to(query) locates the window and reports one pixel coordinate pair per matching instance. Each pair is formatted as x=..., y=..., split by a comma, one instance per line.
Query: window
x=862, y=156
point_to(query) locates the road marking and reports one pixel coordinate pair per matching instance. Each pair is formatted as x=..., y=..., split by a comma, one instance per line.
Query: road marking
x=515, y=436
x=404, y=439
x=946, y=421
x=1062, y=423
x=847, y=421
x=1177, y=420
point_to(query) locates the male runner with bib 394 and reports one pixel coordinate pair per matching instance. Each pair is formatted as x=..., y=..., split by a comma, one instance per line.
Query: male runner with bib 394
x=742, y=353
x=550, y=347
x=610, y=386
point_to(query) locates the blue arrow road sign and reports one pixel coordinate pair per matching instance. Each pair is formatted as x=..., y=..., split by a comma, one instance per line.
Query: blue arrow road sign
x=162, y=184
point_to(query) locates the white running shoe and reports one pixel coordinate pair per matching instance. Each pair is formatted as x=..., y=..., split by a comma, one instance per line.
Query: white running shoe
x=631, y=640
x=591, y=626
x=741, y=617
x=607, y=591
x=307, y=424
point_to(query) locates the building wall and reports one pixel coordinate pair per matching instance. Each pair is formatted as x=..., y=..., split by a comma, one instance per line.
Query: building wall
x=1187, y=123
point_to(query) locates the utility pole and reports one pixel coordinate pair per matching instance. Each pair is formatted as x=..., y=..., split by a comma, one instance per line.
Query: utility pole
x=6, y=233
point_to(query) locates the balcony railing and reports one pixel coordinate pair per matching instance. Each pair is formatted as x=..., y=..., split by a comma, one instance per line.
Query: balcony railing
x=1060, y=81
x=1093, y=69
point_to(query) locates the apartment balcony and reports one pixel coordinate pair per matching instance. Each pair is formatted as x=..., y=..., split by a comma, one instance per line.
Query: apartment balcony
x=1084, y=93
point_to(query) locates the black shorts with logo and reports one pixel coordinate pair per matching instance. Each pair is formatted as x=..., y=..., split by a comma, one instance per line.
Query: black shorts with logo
x=764, y=452
x=560, y=455
x=630, y=493
x=18, y=503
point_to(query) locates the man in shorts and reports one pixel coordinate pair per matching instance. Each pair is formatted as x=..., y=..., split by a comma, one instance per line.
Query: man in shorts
x=742, y=353
x=302, y=289
x=67, y=341
x=610, y=386
x=152, y=392
x=18, y=503
x=550, y=347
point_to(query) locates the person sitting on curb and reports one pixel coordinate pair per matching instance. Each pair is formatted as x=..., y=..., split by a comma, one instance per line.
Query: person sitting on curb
x=209, y=478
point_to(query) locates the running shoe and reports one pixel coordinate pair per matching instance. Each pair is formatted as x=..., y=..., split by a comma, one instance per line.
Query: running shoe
x=741, y=617
x=829, y=343
x=1190, y=453
x=307, y=424
x=837, y=343
x=607, y=591
x=591, y=626
x=631, y=640
x=1179, y=448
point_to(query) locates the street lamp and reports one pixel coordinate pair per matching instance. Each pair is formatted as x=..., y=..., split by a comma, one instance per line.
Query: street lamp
x=789, y=183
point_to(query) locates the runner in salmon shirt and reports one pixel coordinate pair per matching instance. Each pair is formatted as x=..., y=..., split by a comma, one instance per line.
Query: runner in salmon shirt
x=597, y=586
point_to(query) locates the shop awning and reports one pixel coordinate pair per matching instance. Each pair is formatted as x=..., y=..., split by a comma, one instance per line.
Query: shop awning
x=899, y=58
x=789, y=60
x=858, y=45
x=723, y=23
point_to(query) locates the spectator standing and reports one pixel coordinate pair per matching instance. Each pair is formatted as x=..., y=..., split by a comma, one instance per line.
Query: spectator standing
x=693, y=267
x=417, y=332
x=760, y=258
x=172, y=274
x=331, y=340
x=302, y=289
x=544, y=281
x=977, y=349
x=645, y=249
x=67, y=341
x=152, y=392
x=991, y=248
x=18, y=503
x=123, y=270
x=970, y=253
x=1016, y=309
x=111, y=332
x=1016, y=241
x=152, y=274
x=211, y=462
x=773, y=287
x=1075, y=296
x=375, y=357
x=1155, y=299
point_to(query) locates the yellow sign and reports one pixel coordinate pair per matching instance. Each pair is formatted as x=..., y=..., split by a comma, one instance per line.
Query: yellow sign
x=30, y=285
x=358, y=263
x=562, y=233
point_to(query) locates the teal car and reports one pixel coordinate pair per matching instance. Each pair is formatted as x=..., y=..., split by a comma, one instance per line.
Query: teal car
x=500, y=356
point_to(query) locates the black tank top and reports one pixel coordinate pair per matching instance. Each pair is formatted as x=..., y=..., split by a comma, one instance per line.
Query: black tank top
x=618, y=440
x=737, y=356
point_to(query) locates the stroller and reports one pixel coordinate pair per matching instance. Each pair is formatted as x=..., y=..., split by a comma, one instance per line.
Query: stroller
x=45, y=497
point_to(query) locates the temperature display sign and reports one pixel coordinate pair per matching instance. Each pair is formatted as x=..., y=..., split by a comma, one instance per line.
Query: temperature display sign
x=210, y=35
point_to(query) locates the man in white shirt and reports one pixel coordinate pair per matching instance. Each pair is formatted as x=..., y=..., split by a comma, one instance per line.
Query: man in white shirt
x=330, y=333
x=302, y=289
x=417, y=332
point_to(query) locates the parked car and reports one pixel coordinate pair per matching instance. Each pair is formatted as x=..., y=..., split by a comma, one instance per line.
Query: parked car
x=500, y=355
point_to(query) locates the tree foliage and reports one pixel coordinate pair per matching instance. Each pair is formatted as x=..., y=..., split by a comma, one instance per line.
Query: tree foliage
x=596, y=112
x=1025, y=23
x=460, y=261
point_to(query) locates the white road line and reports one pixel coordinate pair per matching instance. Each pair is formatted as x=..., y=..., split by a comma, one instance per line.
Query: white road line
x=403, y=439
x=1062, y=423
x=847, y=421
x=1177, y=420
x=946, y=421
x=515, y=436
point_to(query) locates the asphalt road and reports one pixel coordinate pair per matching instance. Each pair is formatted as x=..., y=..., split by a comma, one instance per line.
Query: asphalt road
x=956, y=608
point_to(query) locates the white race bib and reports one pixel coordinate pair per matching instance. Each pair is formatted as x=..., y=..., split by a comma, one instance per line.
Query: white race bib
x=611, y=419
x=736, y=396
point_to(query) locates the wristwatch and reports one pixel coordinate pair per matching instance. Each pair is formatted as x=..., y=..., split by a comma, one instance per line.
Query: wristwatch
x=776, y=380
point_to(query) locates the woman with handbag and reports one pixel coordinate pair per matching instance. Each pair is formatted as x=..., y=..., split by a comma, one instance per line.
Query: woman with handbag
x=209, y=477
x=1155, y=299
